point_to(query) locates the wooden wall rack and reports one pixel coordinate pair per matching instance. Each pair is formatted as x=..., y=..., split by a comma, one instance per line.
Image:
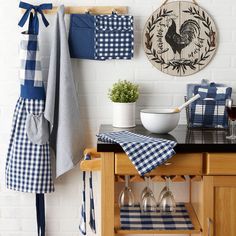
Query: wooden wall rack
x=95, y=10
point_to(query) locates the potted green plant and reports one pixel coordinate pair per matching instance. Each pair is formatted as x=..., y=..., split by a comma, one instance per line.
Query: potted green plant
x=124, y=95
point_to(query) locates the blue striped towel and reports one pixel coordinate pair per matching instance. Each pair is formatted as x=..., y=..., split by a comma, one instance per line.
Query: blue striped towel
x=145, y=153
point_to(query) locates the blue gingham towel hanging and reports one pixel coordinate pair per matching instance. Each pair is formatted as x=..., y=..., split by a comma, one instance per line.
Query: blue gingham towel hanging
x=132, y=218
x=92, y=223
x=82, y=225
x=210, y=110
x=145, y=153
x=114, y=37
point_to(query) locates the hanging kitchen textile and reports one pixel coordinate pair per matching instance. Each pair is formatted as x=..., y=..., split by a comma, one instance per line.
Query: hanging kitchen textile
x=101, y=37
x=28, y=167
x=114, y=37
x=92, y=222
x=81, y=36
x=180, y=38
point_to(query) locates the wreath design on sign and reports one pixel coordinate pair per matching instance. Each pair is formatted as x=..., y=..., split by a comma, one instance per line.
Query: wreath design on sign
x=197, y=34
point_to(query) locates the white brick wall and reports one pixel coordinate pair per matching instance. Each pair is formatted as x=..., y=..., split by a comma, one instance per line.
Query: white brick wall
x=17, y=213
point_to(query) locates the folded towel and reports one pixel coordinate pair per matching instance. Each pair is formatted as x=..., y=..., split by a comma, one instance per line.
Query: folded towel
x=145, y=153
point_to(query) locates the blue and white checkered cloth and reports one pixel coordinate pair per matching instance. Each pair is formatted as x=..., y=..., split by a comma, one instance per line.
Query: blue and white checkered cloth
x=30, y=64
x=82, y=225
x=114, y=37
x=28, y=165
x=209, y=111
x=132, y=218
x=145, y=153
x=92, y=222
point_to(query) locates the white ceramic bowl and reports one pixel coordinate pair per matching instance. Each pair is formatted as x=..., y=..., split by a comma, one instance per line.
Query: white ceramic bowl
x=159, y=121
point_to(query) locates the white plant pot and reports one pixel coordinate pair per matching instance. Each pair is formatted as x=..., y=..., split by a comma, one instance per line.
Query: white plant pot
x=123, y=115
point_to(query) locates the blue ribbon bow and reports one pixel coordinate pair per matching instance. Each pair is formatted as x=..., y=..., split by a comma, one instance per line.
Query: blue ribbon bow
x=37, y=9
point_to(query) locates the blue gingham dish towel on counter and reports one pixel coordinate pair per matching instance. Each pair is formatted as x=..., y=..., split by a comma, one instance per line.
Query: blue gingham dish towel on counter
x=145, y=153
x=114, y=37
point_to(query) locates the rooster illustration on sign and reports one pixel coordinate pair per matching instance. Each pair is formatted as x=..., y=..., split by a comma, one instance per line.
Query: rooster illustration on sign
x=188, y=31
x=180, y=39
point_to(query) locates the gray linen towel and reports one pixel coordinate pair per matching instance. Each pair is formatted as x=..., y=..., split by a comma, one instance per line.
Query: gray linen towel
x=62, y=109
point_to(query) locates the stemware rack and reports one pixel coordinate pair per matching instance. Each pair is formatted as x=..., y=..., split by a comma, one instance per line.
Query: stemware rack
x=95, y=165
x=159, y=178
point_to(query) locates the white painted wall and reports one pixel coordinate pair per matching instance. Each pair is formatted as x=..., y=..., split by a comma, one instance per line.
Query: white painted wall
x=17, y=212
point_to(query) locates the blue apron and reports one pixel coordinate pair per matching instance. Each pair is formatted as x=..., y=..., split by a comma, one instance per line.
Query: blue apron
x=28, y=165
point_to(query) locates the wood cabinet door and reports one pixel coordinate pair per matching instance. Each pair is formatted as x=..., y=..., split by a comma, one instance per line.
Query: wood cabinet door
x=219, y=206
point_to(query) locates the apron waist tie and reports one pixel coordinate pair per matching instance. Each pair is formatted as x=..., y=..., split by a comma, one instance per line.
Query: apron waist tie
x=40, y=213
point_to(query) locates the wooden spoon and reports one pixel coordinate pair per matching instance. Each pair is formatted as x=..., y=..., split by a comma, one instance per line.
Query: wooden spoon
x=180, y=108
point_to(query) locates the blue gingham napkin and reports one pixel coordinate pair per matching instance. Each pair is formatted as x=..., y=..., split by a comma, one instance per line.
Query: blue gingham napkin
x=145, y=153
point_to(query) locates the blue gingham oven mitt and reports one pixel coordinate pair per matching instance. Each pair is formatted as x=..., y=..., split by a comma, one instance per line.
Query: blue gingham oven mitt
x=145, y=153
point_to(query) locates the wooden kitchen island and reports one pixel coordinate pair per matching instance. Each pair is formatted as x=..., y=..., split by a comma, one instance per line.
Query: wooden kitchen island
x=204, y=157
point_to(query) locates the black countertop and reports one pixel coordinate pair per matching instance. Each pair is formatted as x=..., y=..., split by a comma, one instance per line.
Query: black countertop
x=189, y=140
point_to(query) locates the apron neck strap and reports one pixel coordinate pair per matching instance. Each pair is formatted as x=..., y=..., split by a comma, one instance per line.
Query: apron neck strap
x=34, y=20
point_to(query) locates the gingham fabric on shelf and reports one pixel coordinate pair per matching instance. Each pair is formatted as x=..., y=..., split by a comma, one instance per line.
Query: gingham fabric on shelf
x=132, y=218
x=210, y=111
x=114, y=37
x=145, y=153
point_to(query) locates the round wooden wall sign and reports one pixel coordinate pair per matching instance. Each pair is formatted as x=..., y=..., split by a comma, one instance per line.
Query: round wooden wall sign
x=180, y=38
